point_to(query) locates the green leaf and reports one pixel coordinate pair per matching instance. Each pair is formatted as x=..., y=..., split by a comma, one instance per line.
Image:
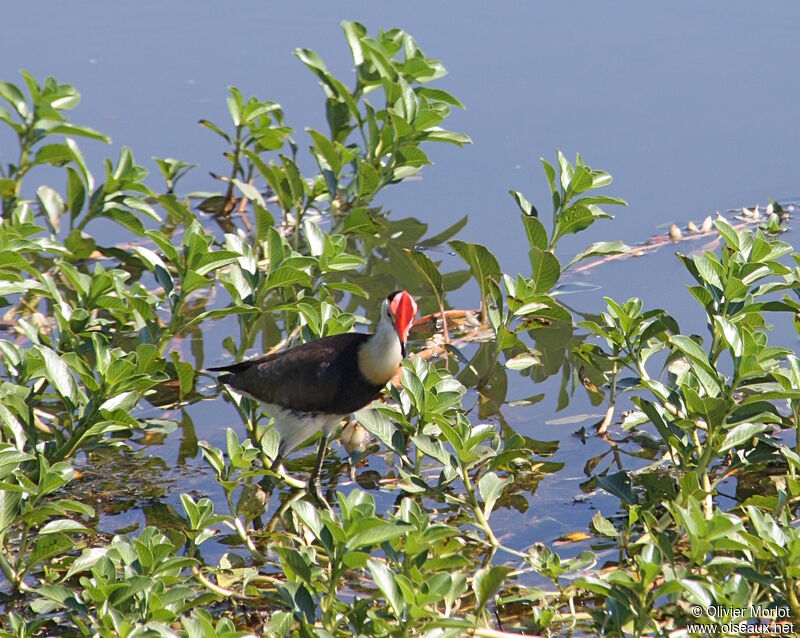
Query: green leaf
x=426, y=119
x=123, y=401
x=295, y=180
x=604, y=526
x=216, y=129
x=535, y=230
x=730, y=333
x=545, y=270
x=213, y=260
x=438, y=95
x=309, y=515
x=699, y=592
x=64, y=525
x=712, y=409
x=697, y=355
x=414, y=386
x=234, y=102
x=368, y=181
x=14, y=97
x=295, y=562
x=193, y=281
x=264, y=220
x=728, y=233
x=311, y=59
x=481, y=261
x=48, y=546
x=285, y=277
x=80, y=162
x=68, y=128
x=55, y=154
x=432, y=447
x=58, y=373
x=86, y=560
x=437, y=134
x=369, y=532
x=573, y=220
x=709, y=270
x=51, y=204
x=522, y=361
x=379, y=425
x=600, y=249
x=491, y=487
x=487, y=582
x=741, y=434
x=528, y=209
x=619, y=484
x=375, y=54
x=250, y=192
x=429, y=272
x=566, y=170
x=355, y=560
x=314, y=237
x=550, y=173
x=10, y=457
x=385, y=581
x=13, y=260
x=9, y=508
x=165, y=244
x=601, y=200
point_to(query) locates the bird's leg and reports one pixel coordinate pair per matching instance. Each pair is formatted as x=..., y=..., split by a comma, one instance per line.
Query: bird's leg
x=323, y=444
x=276, y=462
x=277, y=467
x=267, y=483
x=313, y=479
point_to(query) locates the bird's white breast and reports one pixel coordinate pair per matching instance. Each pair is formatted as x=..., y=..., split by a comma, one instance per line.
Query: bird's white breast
x=380, y=357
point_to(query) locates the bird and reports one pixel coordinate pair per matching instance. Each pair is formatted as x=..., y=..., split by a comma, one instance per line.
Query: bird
x=312, y=387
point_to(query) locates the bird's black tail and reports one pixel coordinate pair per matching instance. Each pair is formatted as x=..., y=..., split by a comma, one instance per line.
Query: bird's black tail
x=233, y=369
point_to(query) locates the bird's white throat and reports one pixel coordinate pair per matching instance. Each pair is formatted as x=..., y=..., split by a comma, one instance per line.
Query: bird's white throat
x=380, y=356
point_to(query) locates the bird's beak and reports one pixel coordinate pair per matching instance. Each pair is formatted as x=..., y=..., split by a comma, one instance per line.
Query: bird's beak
x=403, y=308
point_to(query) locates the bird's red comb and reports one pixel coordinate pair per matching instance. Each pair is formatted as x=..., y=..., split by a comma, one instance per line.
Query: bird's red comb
x=403, y=308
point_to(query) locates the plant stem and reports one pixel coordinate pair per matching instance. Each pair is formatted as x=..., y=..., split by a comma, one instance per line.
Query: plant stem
x=221, y=591
x=702, y=468
x=7, y=569
x=476, y=508
x=791, y=596
x=237, y=153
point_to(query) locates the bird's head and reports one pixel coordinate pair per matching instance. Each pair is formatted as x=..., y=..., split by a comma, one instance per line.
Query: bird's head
x=400, y=308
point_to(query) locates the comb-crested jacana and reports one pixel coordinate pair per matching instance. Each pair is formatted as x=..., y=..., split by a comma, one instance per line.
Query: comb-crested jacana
x=312, y=387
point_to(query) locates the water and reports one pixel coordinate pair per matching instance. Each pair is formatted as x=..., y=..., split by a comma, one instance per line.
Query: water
x=692, y=108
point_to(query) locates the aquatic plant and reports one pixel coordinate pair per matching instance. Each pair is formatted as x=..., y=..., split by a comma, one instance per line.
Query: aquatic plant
x=105, y=342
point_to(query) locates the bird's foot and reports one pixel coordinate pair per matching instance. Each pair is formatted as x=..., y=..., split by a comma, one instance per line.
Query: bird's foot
x=289, y=480
x=315, y=490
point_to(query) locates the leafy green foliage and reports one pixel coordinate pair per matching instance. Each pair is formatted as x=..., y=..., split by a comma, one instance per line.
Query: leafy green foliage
x=571, y=213
x=351, y=173
x=35, y=120
x=96, y=333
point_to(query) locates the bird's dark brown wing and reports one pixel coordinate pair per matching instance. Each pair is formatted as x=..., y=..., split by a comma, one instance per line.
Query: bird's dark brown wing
x=318, y=376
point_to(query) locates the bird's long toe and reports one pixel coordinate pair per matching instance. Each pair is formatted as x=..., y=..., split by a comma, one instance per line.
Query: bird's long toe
x=315, y=490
